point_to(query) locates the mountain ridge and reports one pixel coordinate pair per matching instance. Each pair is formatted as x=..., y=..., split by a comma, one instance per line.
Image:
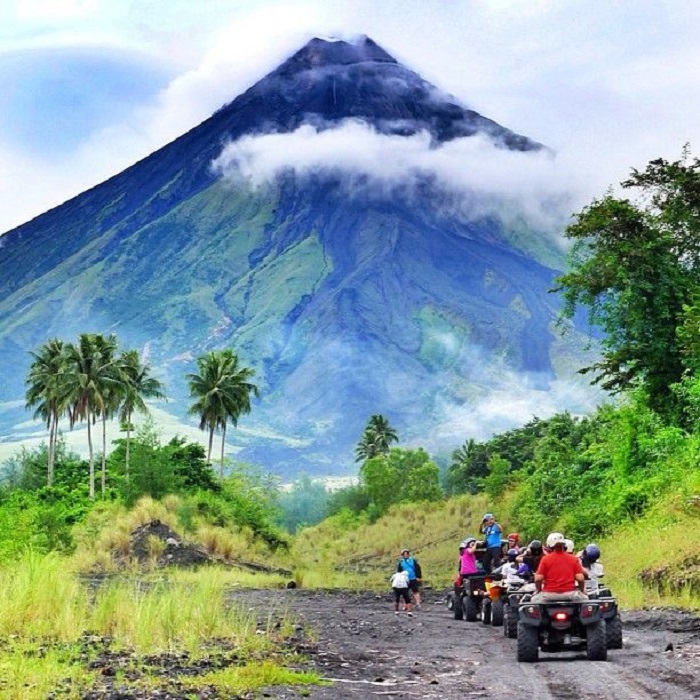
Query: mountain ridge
x=345, y=306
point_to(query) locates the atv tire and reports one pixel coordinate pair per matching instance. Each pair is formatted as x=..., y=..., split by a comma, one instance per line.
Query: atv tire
x=613, y=632
x=528, y=643
x=486, y=612
x=597, y=646
x=470, y=609
x=457, y=609
x=497, y=609
x=510, y=622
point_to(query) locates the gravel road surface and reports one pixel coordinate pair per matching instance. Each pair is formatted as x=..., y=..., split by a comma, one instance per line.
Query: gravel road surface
x=357, y=641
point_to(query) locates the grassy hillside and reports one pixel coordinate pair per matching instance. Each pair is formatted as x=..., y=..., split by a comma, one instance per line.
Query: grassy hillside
x=662, y=548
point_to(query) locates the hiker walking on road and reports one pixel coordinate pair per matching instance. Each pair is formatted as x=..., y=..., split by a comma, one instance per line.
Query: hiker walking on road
x=411, y=566
x=399, y=584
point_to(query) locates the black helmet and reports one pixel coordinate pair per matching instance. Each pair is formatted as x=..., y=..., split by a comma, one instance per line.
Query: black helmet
x=535, y=546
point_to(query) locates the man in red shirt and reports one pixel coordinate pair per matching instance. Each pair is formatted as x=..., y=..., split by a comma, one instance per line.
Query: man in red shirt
x=560, y=574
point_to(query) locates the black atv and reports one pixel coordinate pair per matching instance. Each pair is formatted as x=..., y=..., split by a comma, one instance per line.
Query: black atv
x=466, y=599
x=611, y=615
x=561, y=626
x=473, y=595
x=511, y=602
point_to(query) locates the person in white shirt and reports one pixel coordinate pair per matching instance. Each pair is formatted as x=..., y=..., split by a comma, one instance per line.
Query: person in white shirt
x=509, y=570
x=399, y=584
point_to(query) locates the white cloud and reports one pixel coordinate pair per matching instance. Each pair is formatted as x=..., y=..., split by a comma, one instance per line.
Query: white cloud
x=53, y=10
x=529, y=182
x=609, y=86
x=515, y=401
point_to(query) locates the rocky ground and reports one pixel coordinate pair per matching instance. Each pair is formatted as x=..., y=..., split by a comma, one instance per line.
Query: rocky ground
x=368, y=652
x=364, y=650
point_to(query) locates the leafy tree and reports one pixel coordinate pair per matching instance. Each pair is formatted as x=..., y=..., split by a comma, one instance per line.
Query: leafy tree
x=152, y=471
x=376, y=439
x=190, y=465
x=138, y=385
x=499, y=476
x=422, y=480
x=43, y=392
x=221, y=391
x=400, y=476
x=382, y=480
x=26, y=470
x=634, y=266
x=353, y=498
x=468, y=467
x=89, y=378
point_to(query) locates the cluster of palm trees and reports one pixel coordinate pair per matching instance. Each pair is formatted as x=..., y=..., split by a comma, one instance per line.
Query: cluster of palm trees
x=91, y=380
x=88, y=381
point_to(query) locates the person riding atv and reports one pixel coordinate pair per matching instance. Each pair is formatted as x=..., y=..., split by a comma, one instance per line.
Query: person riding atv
x=560, y=616
x=532, y=556
x=597, y=590
x=559, y=575
x=592, y=568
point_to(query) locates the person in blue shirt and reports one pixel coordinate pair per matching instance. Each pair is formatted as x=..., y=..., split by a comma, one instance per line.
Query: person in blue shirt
x=492, y=534
x=411, y=566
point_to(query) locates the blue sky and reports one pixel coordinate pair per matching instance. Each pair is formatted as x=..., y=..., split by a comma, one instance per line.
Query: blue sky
x=90, y=86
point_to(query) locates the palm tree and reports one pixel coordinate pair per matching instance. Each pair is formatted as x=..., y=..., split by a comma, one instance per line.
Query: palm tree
x=43, y=392
x=222, y=392
x=91, y=377
x=138, y=385
x=376, y=439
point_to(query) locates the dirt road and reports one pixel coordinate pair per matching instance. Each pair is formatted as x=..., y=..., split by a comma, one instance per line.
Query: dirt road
x=368, y=652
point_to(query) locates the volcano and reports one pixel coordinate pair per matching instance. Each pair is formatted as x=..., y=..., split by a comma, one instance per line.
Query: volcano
x=347, y=300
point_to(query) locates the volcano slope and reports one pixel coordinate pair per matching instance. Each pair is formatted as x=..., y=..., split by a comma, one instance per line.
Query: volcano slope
x=369, y=652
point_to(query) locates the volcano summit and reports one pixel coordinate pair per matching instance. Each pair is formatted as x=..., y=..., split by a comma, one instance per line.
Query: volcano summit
x=354, y=281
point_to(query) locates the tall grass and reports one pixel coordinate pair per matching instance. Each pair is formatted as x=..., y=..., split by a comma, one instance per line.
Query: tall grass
x=40, y=599
x=46, y=613
x=165, y=617
x=331, y=555
x=104, y=539
x=667, y=535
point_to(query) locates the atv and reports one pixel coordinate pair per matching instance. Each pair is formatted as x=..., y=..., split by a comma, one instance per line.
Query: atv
x=493, y=604
x=611, y=615
x=469, y=591
x=561, y=626
x=511, y=602
x=473, y=595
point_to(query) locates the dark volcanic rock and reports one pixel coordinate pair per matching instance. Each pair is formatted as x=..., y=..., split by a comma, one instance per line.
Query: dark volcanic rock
x=172, y=552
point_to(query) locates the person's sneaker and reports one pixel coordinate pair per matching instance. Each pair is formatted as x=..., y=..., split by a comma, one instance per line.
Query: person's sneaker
x=396, y=612
x=410, y=614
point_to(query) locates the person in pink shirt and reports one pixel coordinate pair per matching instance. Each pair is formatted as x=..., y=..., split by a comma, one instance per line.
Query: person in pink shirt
x=467, y=559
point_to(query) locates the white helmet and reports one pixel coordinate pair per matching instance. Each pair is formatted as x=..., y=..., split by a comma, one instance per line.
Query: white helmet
x=554, y=538
x=569, y=545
